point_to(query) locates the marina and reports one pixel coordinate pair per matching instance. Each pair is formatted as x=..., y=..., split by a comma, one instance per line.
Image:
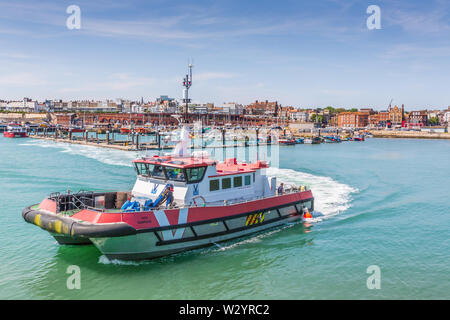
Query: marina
x=206, y=202
x=203, y=155
x=362, y=202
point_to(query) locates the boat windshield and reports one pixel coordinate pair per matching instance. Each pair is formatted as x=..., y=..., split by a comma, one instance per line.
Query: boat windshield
x=156, y=171
x=190, y=175
x=195, y=175
x=175, y=174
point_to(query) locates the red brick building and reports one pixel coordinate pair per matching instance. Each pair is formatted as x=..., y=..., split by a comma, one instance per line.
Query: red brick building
x=353, y=119
x=263, y=108
x=379, y=119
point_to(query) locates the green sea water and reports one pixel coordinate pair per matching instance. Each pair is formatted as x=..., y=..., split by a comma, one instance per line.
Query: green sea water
x=383, y=203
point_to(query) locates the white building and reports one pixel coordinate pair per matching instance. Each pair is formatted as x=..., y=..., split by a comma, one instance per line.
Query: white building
x=232, y=108
x=25, y=105
x=447, y=116
x=300, y=116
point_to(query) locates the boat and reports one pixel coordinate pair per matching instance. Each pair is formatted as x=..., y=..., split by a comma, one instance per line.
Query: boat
x=125, y=130
x=179, y=202
x=299, y=140
x=288, y=141
x=314, y=140
x=75, y=129
x=14, y=130
x=358, y=138
x=332, y=139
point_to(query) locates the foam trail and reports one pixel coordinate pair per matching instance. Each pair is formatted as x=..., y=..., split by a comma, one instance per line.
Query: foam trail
x=253, y=239
x=104, y=260
x=330, y=197
x=104, y=155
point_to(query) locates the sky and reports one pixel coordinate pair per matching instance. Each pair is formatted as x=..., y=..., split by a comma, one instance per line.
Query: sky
x=300, y=53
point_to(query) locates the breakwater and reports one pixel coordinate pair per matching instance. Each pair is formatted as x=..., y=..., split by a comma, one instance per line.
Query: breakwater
x=409, y=134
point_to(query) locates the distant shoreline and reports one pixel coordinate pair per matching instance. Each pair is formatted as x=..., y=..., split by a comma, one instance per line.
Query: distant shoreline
x=409, y=134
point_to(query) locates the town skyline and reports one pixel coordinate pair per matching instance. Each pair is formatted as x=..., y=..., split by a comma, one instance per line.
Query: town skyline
x=301, y=54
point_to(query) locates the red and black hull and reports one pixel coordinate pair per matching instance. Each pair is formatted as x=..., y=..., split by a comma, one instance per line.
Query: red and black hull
x=8, y=134
x=144, y=235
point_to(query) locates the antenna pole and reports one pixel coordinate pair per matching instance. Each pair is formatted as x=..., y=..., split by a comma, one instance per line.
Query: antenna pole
x=187, y=83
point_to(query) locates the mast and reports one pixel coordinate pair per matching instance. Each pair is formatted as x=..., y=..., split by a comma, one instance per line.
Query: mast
x=187, y=83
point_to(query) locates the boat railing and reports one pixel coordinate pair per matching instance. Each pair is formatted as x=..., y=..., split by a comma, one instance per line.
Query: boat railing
x=72, y=201
x=288, y=190
x=87, y=200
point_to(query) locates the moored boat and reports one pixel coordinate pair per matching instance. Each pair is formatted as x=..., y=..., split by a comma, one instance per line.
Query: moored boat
x=332, y=139
x=125, y=130
x=286, y=141
x=14, y=130
x=179, y=202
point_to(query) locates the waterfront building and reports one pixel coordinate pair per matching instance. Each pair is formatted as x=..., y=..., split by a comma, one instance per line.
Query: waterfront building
x=230, y=108
x=284, y=112
x=446, y=116
x=396, y=116
x=418, y=119
x=353, y=119
x=434, y=117
x=298, y=116
x=3, y=105
x=200, y=108
x=25, y=105
x=263, y=108
x=333, y=120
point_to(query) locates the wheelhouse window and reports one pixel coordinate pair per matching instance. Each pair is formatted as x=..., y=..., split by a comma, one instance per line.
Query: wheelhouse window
x=156, y=171
x=226, y=183
x=248, y=180
x=142, y=169
x=175, y=174
x=214, y=185
x=237, y=181
x=195, y=175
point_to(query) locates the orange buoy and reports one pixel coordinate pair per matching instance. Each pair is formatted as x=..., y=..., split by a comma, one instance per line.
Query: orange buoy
x=307, y=215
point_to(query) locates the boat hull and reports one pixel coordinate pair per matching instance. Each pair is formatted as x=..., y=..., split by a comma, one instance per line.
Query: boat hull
x=152, y=234
x=144, y=246
x=158, y=242
x=7, y=134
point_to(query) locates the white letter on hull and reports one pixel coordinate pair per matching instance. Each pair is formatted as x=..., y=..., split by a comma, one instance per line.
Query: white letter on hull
x=163, y=221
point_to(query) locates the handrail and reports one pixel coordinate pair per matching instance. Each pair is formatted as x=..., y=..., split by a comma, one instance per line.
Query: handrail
x=79, y=201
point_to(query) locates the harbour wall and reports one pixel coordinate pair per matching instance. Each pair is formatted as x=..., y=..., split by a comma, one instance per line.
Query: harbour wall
x=409, y=134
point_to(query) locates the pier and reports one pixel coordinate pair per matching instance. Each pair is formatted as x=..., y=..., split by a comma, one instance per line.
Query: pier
x=147, y=141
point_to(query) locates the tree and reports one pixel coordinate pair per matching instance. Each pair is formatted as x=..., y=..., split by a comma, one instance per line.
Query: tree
x=331, y=109
x=433, y=121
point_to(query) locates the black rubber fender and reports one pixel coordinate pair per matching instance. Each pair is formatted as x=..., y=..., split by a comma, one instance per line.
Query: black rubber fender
x=70, y=227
